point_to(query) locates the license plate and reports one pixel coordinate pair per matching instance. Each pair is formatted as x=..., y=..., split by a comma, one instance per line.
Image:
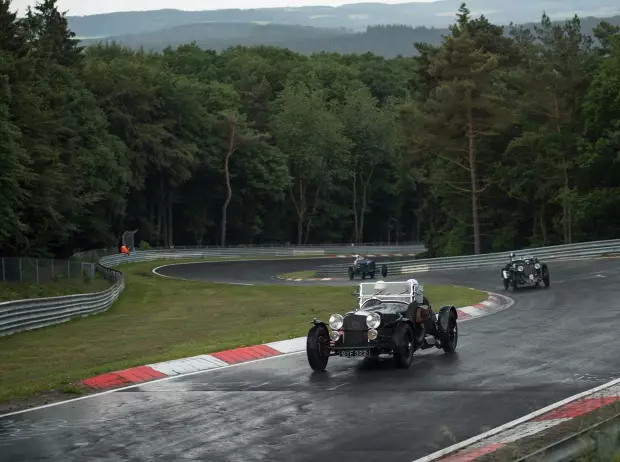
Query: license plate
x=354, y=353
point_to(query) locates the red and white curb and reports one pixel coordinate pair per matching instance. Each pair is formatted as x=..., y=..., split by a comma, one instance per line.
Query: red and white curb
x=529, y=425
x=198, y=363
x=205, y=362
x=494, y=303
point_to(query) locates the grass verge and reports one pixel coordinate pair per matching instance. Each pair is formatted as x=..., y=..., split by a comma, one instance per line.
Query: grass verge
x=20, y=291
x=309, y=274
x=157, y=319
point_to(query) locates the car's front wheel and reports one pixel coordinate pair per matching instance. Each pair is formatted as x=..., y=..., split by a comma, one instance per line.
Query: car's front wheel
x=545, y=278
x=451, y=336
x=403, y=346
x=317, y=347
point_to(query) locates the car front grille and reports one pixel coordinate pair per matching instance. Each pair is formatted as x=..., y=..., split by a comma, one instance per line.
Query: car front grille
x=355, y=338
x=355, y=331
x=354, y=322
x=528, y=269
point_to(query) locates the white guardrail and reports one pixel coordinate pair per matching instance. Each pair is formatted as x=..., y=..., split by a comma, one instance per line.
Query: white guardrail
x=30, y=314
x=583, y=250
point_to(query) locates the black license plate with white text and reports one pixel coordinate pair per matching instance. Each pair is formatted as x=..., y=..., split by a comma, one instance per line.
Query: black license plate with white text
x=354, y=353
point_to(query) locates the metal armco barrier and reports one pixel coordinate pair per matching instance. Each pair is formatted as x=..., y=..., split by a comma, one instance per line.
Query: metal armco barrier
x=239, y=252
x=552, y=253
x=29, y=314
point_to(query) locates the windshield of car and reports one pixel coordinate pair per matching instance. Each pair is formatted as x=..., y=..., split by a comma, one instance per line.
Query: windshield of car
x=387, y=306
x=523, y=260
x=399, y=291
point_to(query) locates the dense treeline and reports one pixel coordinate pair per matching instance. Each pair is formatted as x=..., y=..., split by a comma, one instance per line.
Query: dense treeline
x=485, y=142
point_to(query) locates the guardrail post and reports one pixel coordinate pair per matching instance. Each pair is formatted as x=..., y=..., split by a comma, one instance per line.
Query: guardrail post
x=3, y=276
x=36, y=262
x=68, y=269
x=21, y=276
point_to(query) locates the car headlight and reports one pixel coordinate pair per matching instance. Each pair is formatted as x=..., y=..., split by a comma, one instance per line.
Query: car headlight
x=373, y=320
x=336, y=321
x=537, y=266
x=519, y=268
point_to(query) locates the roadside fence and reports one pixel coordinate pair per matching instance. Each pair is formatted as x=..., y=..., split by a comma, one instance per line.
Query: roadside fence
x=43, y=270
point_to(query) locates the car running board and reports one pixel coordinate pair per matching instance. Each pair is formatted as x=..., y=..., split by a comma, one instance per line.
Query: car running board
x=430, y=342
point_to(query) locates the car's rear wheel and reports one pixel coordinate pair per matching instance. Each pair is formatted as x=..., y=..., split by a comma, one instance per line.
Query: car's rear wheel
x=372, y=275
x=451, y=336
x=363, y=275
x=317, y=347
x=384, y=270
x=403, y=346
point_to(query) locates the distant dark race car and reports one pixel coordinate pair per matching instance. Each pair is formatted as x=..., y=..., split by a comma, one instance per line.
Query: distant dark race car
x=392, y=318
x=521, y=271
x=365, y=267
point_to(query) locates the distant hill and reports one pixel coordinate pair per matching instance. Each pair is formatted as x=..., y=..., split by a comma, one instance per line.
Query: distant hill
x=222, y=35
x=357, y=16
x=387, y=41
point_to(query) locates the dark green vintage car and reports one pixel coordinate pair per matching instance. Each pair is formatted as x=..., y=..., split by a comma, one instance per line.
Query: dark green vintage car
x=365, y=267
x=393, y=318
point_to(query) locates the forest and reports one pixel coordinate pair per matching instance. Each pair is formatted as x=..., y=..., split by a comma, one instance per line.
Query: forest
x=491, y=140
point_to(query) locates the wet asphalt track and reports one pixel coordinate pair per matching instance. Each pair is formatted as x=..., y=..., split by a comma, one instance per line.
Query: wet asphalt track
x=551, y=344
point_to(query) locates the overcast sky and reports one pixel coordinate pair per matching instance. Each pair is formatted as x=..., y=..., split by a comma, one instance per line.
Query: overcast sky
x=84, y=7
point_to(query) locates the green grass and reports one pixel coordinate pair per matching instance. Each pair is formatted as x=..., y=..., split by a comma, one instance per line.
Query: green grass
x=157, y=319
x=309, y=274
x=20, y=291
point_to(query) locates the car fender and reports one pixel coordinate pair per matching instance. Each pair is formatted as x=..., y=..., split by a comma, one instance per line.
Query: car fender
x=406, y=321
x=444, y=315
x=317, y=322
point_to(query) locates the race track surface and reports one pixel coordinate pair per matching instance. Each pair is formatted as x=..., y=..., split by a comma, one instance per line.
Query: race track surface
x=257, y=272
x=551, y=344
